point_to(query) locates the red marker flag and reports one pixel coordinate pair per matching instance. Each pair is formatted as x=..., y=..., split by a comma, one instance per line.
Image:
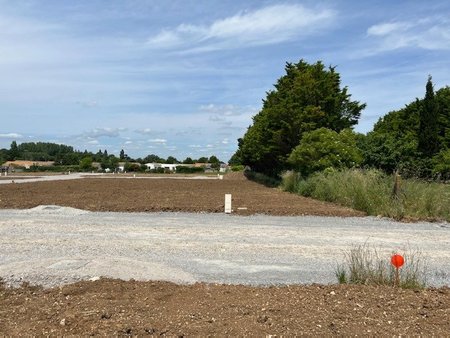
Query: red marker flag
x=397, y=261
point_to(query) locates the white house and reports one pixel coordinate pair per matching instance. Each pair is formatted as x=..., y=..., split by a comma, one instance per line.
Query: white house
x=165, y=166
x=170, y=167
x=152, y=166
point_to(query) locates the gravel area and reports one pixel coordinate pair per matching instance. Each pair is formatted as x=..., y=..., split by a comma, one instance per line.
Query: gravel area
x=9, y=179
x=52, y=245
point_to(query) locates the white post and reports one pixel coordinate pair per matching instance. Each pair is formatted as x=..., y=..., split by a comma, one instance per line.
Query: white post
x=228, y=203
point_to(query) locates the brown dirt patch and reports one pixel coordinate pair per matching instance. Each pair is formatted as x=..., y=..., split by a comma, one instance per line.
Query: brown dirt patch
x=134, y=195
x=113, y=307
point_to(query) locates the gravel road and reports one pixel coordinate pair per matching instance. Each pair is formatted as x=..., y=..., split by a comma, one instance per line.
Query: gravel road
x=51, y=245
x=18, y=179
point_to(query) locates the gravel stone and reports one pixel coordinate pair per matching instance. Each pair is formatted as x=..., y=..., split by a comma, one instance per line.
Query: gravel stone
x=52, y=245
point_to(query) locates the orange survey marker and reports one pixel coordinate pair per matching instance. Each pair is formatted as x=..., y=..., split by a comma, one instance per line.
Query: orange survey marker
x=397, y=261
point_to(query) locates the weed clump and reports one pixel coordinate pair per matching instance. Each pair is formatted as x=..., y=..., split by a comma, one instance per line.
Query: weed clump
x=365, y=265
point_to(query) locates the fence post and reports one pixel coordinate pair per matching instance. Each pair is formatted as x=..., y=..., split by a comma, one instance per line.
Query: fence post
x=397, y=185
x=228, y=203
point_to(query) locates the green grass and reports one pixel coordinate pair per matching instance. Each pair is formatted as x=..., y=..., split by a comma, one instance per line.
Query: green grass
x=365, y=265
x=371, y=191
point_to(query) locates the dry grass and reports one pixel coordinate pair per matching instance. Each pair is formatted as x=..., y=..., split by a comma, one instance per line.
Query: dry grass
x=366, y=265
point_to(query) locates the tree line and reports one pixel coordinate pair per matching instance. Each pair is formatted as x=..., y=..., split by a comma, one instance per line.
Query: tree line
x=306, y=124
x=64, y=155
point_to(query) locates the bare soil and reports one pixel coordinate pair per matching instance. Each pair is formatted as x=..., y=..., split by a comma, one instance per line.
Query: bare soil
x=114, y=307
x=160, y=194
x=124, y=308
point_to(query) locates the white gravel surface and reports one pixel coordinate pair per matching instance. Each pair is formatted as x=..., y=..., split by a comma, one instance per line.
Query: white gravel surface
x=17, y=179
x=24, y=179
x=51, y=245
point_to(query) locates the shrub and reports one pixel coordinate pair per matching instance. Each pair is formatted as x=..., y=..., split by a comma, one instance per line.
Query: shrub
x=189, y=170
x=325, y=148
x=268, y=181
x=290, y=181
x=239, y=167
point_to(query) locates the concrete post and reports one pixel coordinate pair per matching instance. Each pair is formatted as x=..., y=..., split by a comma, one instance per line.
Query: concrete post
x=228, y=203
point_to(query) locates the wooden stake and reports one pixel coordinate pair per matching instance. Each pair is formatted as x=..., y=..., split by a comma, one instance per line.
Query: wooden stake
x=397, y=183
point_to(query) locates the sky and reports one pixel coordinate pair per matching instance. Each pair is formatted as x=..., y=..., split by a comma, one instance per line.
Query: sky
x=185, y=77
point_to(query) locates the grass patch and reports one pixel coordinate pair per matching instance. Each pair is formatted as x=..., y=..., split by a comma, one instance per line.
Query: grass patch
x=365, y=265
x=371, y=191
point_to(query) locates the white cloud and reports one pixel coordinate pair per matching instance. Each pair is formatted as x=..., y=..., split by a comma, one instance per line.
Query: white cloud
x=226, y=110
x=145, y=131
x=158, y=140
x=11, y=136
x=429, y=33
x=265, y=26
x=387, y=28
x=103, y=132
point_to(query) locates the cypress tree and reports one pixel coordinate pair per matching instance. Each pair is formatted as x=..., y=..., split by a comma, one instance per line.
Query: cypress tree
x=428, y=123
x=14, y=152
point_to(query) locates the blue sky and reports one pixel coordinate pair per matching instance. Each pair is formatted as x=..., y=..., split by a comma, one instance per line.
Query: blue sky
x=184, y=78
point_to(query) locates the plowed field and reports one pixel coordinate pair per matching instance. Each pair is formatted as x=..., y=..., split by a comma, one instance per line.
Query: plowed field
x=160, y=194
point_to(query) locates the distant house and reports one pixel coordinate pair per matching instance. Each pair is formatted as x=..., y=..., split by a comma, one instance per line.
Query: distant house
x=223, y=167
x=165, y=166
x=120, y=167
x=170, y=167
x=28, y=164
x=153, y=166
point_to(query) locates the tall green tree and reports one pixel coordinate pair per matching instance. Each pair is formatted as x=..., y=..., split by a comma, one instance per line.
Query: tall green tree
x=397, y=141
x=308, y=97
x=392, y=144
x=172, y=160
x=188, y=160
x=3, y=155
x=442, y=98
x=153, y=159
x=14, y=152
x=428, y=123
